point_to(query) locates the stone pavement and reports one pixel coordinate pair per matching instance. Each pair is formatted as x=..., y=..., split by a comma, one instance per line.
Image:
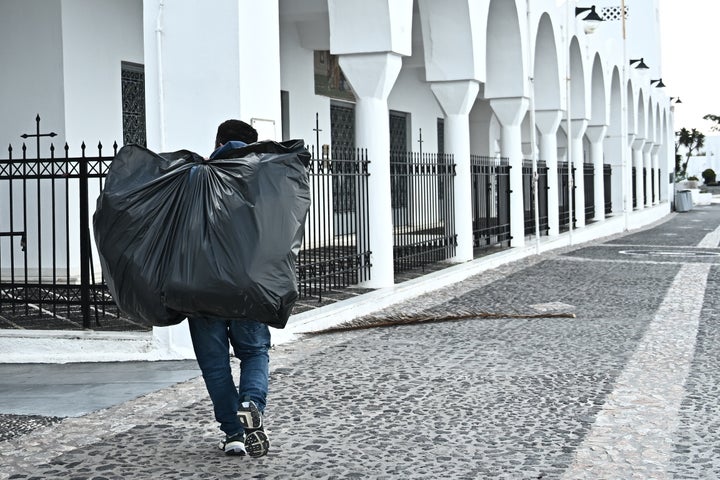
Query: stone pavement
x=626, y=389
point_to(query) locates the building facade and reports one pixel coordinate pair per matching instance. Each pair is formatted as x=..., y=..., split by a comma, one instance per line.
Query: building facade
x=531, y=84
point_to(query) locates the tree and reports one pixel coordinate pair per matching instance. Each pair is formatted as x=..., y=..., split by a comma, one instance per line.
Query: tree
x=713, y=118
x=693, y=141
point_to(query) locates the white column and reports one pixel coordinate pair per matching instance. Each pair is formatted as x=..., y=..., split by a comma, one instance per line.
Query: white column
x=655, y=164
x=547, y=122
x=613, y=146
x=372, y=77
x=596, y=135
x=577, y=153
x=510, y=112
x=627, y=178
x=456, y=99
x=647, y=163
x=637, y=156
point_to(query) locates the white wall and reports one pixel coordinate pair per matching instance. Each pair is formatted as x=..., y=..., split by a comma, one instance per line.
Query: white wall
x=297, y=77
x=412, y=94
x=32, y=84
x=32, y=64
x=234, y=72
x=97, y=36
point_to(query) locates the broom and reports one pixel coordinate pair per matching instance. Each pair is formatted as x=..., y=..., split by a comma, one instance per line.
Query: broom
x=369, y=322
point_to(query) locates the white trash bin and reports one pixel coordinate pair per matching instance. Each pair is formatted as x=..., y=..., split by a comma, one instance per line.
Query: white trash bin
x=683, y=201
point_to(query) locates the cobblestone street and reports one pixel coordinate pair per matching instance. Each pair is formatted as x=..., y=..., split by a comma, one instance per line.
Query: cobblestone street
x=627, y=388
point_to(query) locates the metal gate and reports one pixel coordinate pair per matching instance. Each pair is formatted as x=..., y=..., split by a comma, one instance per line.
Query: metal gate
x=47, y=275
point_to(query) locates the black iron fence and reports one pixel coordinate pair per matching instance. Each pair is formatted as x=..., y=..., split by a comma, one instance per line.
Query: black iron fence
x=490, y=201
x=336, y=250
x=529, y=185
x=49, y=272
x=564, y=196
x=46, y=257
x=589, y=179
x=607, y=187
x=423, y=205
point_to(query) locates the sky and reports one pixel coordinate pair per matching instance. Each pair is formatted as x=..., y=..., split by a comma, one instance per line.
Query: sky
x=691, y=60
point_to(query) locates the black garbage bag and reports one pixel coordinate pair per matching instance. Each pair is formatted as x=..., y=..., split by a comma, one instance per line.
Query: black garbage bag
x=181, y=236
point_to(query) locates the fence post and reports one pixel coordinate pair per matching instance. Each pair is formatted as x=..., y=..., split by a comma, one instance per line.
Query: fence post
x=84, y=241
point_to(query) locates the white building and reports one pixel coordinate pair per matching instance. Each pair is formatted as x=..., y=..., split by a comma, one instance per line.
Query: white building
x=710, y=158
x=488, y=69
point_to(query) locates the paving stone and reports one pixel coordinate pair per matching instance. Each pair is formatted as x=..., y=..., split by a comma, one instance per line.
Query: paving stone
x=483, y=398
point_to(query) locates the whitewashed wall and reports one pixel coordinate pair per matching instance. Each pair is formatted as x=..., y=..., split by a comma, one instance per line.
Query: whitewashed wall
x=32, y=83
x=97, y=36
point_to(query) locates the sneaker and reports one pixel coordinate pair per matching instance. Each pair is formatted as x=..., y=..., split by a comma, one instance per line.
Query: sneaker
x=234, y=445
x=249, y=415
x=256, y=442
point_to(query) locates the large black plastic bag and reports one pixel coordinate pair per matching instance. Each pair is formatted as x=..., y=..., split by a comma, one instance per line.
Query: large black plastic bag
x=180, y=236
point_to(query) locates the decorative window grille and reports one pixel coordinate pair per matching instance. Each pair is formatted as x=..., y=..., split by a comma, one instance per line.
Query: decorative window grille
x=133, y=103
x=614, y=13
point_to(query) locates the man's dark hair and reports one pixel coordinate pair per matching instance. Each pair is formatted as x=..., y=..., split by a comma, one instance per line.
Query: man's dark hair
x=236, y=130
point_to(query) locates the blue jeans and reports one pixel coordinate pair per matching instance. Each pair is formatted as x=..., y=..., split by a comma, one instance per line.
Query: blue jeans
x=211, y=338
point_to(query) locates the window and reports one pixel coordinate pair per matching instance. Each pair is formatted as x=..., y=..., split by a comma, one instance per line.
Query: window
x=133, y=103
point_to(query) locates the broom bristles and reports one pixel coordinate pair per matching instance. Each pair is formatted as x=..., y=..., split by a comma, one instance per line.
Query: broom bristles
x=406, y=319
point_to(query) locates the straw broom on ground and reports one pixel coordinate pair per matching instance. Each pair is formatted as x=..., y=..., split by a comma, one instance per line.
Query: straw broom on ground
x=368, y=322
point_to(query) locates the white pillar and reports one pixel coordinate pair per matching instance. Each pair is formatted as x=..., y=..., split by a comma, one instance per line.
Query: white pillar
x=577, y=157
x=655, y=164
x=372, y=76
x=613, y=146
x=596, y=135
x=456, y=99
x=637, y=156
x=510, y=112
x=627, y=177
x=647, y=163
x=547, y=122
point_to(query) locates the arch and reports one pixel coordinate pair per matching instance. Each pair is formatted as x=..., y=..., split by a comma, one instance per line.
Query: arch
x=578, y=99
x=653, y=120
x=615, y=124
x=546, y=67
x=598, y=110
x=505, y=67
x=642, y=127
x=631, y=109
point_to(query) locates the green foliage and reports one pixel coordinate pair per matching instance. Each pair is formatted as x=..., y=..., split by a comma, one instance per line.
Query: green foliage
x=693, y=141
x=709, y=176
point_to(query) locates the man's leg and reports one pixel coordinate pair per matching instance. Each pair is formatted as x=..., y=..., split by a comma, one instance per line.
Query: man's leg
x=251, y=342
x=212, y=350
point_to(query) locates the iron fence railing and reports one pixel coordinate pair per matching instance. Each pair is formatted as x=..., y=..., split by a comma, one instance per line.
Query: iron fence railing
x=652, y=185
x=589, y=179
x=564, y=198
x=607, y=187
x=528, y=197
x=46, y=255
x=49, y=274
x=423, y=205
x=336, y=250
x=490, y=201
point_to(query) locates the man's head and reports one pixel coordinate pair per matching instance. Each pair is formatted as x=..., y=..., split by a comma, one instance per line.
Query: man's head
x=237, y=130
